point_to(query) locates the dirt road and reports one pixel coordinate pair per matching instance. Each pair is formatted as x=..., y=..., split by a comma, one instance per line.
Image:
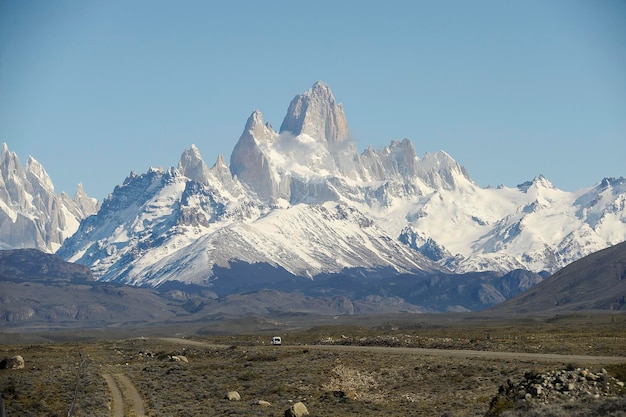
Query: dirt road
x=451, y=353
x=125, y=397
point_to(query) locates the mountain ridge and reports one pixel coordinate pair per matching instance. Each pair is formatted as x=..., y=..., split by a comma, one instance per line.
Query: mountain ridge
x=428, y=212
x=305, y=200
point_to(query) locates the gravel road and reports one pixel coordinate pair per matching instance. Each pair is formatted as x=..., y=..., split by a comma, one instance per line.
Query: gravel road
x=452, y=353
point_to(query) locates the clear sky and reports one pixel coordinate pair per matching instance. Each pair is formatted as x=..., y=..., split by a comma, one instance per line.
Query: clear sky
x=511, y=89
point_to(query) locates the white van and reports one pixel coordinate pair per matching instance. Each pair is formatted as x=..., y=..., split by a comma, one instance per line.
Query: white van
x=276, y=340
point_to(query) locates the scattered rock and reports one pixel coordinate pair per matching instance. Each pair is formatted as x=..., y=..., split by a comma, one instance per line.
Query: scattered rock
x=13, y=362
x=233, y=396
x=179, y=358
x=262, y=403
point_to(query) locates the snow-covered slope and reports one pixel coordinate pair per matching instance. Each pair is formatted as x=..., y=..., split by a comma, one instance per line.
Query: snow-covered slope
x=32, y=215
x=305, y=200
x=164, y=225
x=534, y=226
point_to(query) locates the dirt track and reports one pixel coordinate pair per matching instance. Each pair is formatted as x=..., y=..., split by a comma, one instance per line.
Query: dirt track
x=127, y=392
x=452, y=353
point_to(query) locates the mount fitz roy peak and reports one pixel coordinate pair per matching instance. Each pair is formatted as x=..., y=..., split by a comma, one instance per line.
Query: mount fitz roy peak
x=302, y=199
x=32, y=215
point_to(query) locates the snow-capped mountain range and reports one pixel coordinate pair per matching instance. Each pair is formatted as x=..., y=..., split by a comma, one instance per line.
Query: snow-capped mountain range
x=32, y=215
x=302, y=199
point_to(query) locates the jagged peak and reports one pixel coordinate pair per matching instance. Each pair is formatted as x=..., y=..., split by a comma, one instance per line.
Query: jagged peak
x=369, y=151
x=317, y=114
x=220, y=162
x=612, y=182
x=539, y=182
x=36, y=171
x=404, y=145
x=190, y=157
x=438, y=160
x=171, y=172
x=80, y=189
x=257, y=129
x=222, y=171
x=88, y=205
x=9, y=162
x=439, y=169
x=130, y=178
x=321, y=89
x=255, y=119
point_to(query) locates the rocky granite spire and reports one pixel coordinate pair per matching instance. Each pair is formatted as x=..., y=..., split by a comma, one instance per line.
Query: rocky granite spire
x=32, y=215
x=192, y=166
x=317, y=114
x=248, y=161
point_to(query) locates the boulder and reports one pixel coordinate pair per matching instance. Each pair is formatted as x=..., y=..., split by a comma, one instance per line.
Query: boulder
x=13, y=362
x=233, y=396
x=262, y=403
x=297, y=410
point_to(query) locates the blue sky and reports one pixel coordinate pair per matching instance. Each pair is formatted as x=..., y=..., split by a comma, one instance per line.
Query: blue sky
x=510, y=89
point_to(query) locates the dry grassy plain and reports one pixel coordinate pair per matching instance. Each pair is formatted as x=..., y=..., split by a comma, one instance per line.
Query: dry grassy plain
x=379, y=377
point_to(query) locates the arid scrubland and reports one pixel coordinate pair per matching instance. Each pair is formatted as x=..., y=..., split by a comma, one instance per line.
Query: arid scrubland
x=333, y=370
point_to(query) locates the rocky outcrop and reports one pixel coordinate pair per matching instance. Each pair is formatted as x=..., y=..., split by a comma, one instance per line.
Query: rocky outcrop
x=564, y=385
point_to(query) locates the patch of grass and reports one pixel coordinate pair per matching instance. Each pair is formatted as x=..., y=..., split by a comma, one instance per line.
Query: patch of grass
x=617, y=371
x=263, y=357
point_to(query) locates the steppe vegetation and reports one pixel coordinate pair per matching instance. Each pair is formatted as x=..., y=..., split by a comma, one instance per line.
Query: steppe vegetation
x=318, y=367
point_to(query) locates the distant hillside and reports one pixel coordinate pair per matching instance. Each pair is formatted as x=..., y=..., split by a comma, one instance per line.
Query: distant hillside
x=34, y=265
x=595, y=282
x=45, y=292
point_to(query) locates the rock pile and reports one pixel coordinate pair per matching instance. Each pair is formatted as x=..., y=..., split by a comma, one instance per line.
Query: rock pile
x=555, y=386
